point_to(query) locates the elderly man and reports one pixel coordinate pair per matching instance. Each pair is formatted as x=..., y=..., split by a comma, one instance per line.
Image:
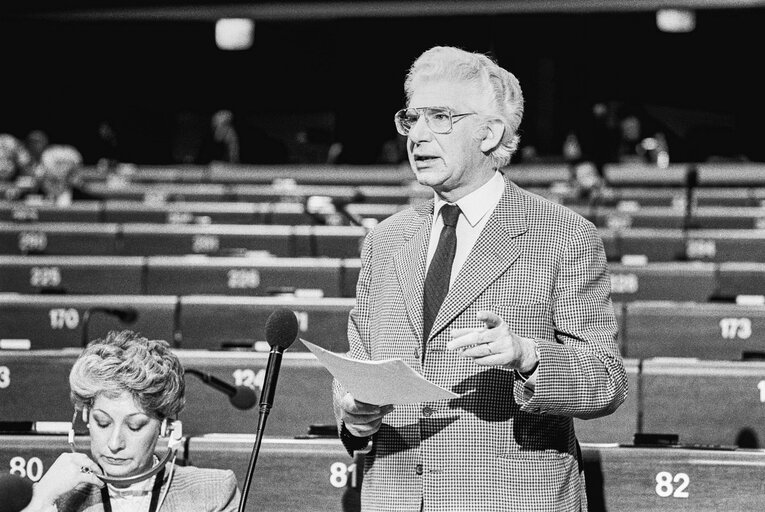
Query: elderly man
x=491, y=292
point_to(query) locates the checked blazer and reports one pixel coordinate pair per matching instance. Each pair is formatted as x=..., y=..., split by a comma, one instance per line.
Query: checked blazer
x=542, y=268
x=192, y=489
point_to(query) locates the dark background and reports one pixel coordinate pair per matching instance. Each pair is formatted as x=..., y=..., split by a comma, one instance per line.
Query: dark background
x=319, y=80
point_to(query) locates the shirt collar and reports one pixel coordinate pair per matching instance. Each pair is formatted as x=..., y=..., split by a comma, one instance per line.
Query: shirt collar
x=479, y=202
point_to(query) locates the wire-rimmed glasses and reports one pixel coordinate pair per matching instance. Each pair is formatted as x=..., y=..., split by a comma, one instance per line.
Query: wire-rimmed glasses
x=439, y=119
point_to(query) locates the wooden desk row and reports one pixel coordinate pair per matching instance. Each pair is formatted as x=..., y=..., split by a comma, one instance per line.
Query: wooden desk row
x=647, y=328
x=317, y=474
x=322, y=212
x=707, y=402
x=327, y=277
x=98, y=239
x=709, y=174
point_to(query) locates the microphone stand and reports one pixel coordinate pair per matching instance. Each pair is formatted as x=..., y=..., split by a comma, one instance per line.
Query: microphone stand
x=266, y=401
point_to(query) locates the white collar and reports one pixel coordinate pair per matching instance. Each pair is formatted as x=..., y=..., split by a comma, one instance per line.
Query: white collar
x=479, y=202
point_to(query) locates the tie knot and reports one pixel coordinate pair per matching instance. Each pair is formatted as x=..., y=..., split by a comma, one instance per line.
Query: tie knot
x=450, y=213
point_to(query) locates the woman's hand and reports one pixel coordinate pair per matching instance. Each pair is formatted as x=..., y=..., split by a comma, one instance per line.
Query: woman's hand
x=69, y=471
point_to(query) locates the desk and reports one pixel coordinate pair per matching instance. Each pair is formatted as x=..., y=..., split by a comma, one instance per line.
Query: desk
x=688, y=281
x=37, y=389
x=56, y=321
x=67, y=238
x=719, y=402
x=201, y=275
x=80, y=211
x=686, y=329
x=180, y=239
x=213, y=322
x=109, y=275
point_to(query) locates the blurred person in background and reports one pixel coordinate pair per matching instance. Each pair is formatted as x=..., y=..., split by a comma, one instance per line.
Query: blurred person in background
x=222, y=145
x=57, y=177
x=36, y=141
x=15, y=160
x=130, y=390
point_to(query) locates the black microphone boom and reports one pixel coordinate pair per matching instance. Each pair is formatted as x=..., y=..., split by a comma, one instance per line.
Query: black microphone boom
x=240, y=397
x=281, y=332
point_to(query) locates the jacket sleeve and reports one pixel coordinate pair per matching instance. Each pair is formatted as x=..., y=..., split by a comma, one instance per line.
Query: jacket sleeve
x=230, y=494
x=582, y=373
x=358, y=339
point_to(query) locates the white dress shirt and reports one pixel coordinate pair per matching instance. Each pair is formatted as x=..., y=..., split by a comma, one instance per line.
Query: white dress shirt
x=476, y=208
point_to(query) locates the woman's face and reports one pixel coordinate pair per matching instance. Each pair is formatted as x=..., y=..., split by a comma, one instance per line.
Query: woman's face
x=122, y=435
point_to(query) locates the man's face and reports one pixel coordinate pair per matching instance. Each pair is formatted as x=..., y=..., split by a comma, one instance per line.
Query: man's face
x=451, y=164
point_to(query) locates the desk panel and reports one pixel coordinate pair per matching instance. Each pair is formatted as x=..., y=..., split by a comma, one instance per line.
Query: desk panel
x=619, y=427
x=727, y=245
x=65, y=238
x=80, y=211
x=180, y=213
x=154, y=239
x=654, y=244
x=113, y=275
x=686, y=329
x=741, y=278
x=718, y=402
x=56, y=321
x=214, y=322
x=37, y=389
x=161, y=192
x=688, y=281
x=200, y=275
x=329, y=241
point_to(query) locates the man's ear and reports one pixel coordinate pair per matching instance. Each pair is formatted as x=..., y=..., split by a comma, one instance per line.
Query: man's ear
x=491, y=135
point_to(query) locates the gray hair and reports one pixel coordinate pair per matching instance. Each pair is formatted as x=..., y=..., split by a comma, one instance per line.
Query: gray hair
x=126, y=362
x=504, y=98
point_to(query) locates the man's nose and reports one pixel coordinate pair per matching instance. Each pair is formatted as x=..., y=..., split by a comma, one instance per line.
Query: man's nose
x=420, y=132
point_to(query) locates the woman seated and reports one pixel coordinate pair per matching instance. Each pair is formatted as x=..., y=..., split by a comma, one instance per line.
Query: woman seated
x=128, y=389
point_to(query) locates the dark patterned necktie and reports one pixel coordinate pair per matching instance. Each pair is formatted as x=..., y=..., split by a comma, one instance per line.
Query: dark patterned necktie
x=440, y=270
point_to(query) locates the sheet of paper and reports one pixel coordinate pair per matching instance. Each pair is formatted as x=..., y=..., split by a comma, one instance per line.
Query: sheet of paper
x=390, y=381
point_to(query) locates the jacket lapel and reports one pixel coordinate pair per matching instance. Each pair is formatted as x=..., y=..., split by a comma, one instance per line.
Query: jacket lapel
x=493, y=253
x=410, y=262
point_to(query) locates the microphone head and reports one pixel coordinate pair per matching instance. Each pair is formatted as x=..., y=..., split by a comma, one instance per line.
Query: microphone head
x=244, y=398
x=281, y=328
x=15, y=493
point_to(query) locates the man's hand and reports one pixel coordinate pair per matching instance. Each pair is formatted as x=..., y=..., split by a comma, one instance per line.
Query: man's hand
x=360, y=418
x=495, y=345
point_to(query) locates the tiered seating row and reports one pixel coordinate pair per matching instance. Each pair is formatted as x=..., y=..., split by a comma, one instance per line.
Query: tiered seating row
x=322, y=476
x=63, y=238
x=323, y=212
x=704, y=402
x=327, y=277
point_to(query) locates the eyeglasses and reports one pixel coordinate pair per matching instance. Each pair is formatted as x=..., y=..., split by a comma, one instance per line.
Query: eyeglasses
x=439, y=119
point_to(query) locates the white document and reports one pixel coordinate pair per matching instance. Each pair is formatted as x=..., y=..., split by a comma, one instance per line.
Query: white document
x=390, y=381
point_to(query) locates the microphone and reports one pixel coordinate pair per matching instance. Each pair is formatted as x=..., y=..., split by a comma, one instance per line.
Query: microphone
x=240, y=397
x=281, y=332
x=341, y=205
x=691, y=182
x=15, y=493
x=124, y=315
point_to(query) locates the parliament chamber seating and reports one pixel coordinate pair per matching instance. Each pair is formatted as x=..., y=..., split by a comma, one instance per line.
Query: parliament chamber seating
x=131, y=251
x=320, y=475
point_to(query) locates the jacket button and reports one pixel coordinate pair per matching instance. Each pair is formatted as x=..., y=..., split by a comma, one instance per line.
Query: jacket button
x=418, y=469
x=427, y=411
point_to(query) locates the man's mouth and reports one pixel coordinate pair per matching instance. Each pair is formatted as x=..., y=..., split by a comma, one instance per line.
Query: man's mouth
x=116, y=462
x=425, y=159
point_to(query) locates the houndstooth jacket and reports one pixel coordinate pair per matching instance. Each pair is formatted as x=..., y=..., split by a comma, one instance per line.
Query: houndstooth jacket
x=540, y=267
